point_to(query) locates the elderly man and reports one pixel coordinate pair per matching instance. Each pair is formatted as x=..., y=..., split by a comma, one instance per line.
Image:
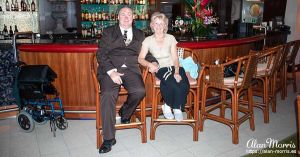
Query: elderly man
x=118, y=65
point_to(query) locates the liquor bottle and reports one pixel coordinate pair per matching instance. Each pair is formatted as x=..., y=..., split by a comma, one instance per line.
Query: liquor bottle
x=89, y=17
x=103, y=15
x=32, y=5
x=82, y=15
x=11, y=33
x=22, y=5
x=83, y=33
x=112, y=15
x=107, y=16
x=7, y=5
x=99, y=15
x=17, y=6
x=147, y=15
x=92, y=15
x=92, y=30
x=27, y=6
x=12, y=5
x=96, y=15
x=142, y=16
x=86, y=17
x=1, y=35
x=16, y=29
x=135, y=16
x=5, y=32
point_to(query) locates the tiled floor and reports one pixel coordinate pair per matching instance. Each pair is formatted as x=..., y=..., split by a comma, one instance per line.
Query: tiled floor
x=171, y=141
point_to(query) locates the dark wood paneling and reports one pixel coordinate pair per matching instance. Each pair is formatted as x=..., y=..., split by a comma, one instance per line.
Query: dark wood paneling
x=274, y=8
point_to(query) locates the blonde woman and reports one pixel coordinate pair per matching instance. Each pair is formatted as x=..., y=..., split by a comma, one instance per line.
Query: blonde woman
x=174, y=83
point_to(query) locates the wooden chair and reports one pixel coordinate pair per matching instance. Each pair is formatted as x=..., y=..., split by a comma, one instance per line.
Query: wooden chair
x=290, y=65
x=268, y=63
x=140, y=113
x=238, y=86
x=281, y=72
x=191, y=108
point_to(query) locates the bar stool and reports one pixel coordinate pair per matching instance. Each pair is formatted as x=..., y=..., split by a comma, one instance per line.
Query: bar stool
x=238, y=86
x=281, y=72
x=140, y=113
x=192, y=109
x=268, y=63
x=290, y=65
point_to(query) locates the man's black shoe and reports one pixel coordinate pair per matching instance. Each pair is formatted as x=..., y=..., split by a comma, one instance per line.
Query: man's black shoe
x=123, y=120
x=106, y=145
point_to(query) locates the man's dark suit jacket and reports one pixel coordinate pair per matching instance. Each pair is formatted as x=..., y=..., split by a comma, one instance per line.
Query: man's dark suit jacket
x=113, y=52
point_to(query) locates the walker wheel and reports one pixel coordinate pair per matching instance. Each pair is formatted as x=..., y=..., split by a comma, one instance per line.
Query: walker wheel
x=25, y=121
x=61, y=122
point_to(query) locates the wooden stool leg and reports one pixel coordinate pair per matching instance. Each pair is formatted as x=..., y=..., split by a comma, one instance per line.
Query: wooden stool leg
x=234, y=112
x=266, y=101
x=250, y=100
x=202, y=114
x=196, y=115
x=222, y=107
x=143, y=121
x=273, y=93
x=294, y=79
x=153, y=114
x=285, y=82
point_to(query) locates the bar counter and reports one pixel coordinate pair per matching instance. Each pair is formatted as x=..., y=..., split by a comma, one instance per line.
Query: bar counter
x=72, y=63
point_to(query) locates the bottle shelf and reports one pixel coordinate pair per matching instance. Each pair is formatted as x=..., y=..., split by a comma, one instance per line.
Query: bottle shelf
x=99, y=16
x=101, y=4
x=136, y=20
x=19, y=12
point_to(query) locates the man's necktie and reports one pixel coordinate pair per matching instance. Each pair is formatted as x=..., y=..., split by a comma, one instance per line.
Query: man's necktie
x=125, y=35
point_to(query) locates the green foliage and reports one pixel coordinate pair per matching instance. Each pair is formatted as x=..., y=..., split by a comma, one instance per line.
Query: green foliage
x=199, y=29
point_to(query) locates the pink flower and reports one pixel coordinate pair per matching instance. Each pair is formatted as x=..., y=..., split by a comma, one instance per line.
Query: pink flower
x=204, y=2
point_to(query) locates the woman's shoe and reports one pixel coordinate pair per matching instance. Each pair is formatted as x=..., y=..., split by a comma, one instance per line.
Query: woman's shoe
x=167, y=111
x=178, y=114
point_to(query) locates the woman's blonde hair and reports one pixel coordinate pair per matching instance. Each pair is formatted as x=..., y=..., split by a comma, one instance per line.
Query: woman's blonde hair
x=158, y=15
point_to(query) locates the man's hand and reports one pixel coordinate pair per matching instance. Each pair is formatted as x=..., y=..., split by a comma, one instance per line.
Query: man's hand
x=116, y=77
x=177, y=77
x=153, y=67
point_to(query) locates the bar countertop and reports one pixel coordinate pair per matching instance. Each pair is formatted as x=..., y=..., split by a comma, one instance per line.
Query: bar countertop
x=93, y=47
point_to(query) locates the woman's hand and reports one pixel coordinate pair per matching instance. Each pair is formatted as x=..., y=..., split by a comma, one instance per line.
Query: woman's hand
x=177, y=77
x=153, y=67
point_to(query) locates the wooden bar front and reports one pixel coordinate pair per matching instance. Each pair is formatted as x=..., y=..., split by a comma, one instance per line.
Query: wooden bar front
x=72, y=63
